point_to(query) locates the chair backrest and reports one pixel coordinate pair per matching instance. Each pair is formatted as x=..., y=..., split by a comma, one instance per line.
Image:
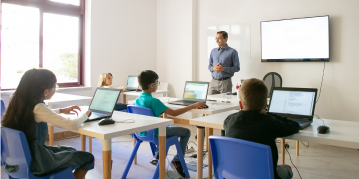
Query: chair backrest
x=147, y=112
x=15, y=151
x=2, y=107
x=236, y=158
x=271, y=80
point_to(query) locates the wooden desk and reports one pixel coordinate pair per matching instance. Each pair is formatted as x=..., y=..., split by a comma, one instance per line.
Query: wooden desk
x=59, y=98
x=138, y=93
x=107, y=132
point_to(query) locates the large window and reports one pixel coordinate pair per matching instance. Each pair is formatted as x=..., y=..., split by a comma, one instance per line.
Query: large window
x=42, y=34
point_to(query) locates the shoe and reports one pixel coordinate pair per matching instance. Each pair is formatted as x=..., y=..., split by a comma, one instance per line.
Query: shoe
x=177, y=167
x=190, y=150
x=154, y=160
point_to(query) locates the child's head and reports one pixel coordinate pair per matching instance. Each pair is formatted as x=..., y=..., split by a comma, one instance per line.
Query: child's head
x=105, y=80
x=148, y=80
x=253, y=95
x=35, y=86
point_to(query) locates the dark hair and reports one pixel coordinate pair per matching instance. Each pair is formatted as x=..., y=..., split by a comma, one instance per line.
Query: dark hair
x=253, y=94
x=224, y=34
x=30, y=91
x=147, y=77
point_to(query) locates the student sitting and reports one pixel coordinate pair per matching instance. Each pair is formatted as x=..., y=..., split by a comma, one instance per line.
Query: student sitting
x=149, y=82
x=254, y=123
x=28, y=113
x=105, y=81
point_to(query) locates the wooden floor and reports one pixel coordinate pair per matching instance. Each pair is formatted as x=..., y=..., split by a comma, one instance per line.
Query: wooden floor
x=315, y=162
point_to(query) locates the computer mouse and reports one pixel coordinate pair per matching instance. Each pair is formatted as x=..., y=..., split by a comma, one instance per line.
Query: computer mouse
x=229, y=93
x=235, y=93
x=106, y=121
x=323, y=129
x=206, y=106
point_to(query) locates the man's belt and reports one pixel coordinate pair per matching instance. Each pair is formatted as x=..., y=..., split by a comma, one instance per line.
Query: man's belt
x=222, y=79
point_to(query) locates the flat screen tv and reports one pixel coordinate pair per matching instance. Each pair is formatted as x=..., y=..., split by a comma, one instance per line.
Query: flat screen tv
x=295, y=40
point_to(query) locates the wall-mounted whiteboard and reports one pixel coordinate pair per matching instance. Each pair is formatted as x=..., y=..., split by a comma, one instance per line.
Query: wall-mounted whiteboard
x=238, y=38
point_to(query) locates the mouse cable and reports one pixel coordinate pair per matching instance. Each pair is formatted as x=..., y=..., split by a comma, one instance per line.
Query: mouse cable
x=126, y=121
x=304, y=144
x=319, y=118
x=320, y=91
x=293, y=163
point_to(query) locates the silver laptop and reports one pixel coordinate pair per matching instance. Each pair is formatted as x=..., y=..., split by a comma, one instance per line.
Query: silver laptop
x=132, y=84
x=297, y=104
x=103, y=103
x=194, y=91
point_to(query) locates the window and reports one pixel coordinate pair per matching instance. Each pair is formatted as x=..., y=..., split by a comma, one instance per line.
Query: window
x=43, y=33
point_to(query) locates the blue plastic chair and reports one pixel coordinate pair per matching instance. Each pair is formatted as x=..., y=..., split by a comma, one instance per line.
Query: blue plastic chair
x=2, y=107
x=150, y=137
x=238, y=159
x=15, y=151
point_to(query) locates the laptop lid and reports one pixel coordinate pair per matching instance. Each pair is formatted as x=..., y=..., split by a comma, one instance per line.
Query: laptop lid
x=132, y=82
x=293, y=102
x=195, y=91
x=104, y=100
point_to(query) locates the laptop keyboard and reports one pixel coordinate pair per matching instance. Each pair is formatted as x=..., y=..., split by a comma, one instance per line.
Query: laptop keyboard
x=300, y=121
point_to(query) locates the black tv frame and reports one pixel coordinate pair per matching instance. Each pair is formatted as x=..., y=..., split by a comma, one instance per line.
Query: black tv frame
x=296, y=59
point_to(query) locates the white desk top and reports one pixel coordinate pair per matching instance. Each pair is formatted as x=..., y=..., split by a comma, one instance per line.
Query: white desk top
x=61, y=97
x=342, y=133
x=222, y=97
x=138, y=93
x=142, y=123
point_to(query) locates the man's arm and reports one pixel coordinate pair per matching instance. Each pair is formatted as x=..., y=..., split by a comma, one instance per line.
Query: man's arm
x=210, y=66
x=235, y=62
x=284, y=127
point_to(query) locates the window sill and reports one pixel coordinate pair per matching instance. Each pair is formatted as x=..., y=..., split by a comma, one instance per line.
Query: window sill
x=81, y=88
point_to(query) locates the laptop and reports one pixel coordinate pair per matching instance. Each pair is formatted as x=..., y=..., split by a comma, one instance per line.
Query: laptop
x=103, y=103
x=297, y=104
x=194, y=91
x=132, y=84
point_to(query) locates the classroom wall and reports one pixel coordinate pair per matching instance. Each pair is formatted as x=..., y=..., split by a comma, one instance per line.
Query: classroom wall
x=339, y=97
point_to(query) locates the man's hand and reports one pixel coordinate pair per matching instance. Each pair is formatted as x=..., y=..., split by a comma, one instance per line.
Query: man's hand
x=88, y=113
x=70, y=109
x=215, y=68
x=218, y=68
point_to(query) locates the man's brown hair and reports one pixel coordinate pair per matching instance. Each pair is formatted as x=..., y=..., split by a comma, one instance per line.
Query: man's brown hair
x=253, y=95
x=224, y=34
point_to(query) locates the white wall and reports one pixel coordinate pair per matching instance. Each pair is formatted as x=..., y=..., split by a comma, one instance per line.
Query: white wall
x=175, y=45
x=339, y=92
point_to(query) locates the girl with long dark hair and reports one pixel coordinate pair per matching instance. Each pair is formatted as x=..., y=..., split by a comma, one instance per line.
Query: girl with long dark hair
x=28, y=113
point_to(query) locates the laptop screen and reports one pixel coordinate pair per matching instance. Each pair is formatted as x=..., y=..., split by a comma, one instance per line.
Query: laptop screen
x=104, y=100
x=195, y=91
x=132, y=82
x=292, y=102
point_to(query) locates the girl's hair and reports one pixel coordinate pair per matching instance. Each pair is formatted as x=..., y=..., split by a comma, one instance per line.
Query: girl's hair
x=30, y=92
x=102, y=79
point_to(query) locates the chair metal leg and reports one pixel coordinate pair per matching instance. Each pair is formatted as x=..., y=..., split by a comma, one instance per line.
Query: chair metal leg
x=129, y=163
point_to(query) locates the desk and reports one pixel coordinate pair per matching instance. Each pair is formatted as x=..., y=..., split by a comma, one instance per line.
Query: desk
x=138, y=93
x=62, y=98
x=107, y=132
x=223, y=97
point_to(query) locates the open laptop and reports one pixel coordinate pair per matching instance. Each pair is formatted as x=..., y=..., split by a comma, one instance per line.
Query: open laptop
x=194, y=91
x=132, y=84
x=297, y=104
x=103, y=103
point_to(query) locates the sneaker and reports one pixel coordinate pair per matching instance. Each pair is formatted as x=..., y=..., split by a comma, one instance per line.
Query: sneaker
x=154, y=160
x=190, y=150
x=177, y=167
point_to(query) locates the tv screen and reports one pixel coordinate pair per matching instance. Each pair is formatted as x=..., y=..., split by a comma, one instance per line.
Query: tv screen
x=301, y=39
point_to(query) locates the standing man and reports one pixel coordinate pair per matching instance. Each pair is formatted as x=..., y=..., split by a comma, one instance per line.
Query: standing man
x=223, y=63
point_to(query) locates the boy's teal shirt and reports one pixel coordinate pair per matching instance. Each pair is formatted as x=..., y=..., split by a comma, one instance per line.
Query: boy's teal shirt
x=146, y=100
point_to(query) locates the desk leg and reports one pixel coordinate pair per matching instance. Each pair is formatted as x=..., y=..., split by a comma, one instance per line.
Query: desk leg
x=162, y=151
x=51, y=135
x=124, y=99
x=210, y=132
x=164, y=115
x=283, y=150
x=134, y=159
x=200, y=143
x=83, y=142
x=206, y=136
x=297, y=147
x=90, y=144
x=106, y=155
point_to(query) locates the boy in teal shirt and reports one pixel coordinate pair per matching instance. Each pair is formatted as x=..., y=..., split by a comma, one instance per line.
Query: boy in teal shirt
x=149, y=82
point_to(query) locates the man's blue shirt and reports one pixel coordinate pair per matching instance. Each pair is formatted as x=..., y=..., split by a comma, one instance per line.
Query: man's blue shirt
x=228, y=58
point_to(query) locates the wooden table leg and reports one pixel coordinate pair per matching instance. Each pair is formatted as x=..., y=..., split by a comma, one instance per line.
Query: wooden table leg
x=210, y=169
x=135, y=159
x=106, y=155
x=297, y=147
x=51, y=135
x=83, y=142
x=283, y=150
x=206, y=138
x=90, y=144
x=200, y=143
x=162, y=151
x=124, y=99
x=164, y=115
